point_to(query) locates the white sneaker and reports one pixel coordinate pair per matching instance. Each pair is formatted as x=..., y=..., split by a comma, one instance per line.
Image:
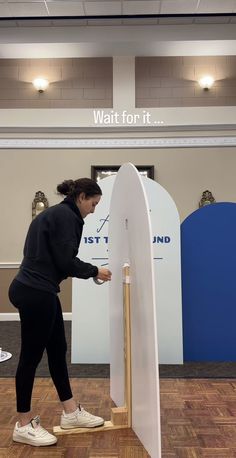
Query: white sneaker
x=33, y=434
x=80, y=419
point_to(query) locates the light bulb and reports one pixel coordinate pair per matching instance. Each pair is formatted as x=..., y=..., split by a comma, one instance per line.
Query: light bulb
x=40, y=84
x=206, y=82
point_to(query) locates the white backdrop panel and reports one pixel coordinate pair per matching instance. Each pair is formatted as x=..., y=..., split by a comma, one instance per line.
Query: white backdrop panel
x=90, y=323
x=90, y=309
x=130, y=241
x=167, y=270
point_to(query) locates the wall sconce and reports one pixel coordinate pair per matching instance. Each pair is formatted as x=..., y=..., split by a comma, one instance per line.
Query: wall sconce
x=39, y=204
x=40, y=84
x=206, y=82
x=207, y=198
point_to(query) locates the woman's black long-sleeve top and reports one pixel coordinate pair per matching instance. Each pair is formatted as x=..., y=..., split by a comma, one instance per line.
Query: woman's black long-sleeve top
x=51, y=248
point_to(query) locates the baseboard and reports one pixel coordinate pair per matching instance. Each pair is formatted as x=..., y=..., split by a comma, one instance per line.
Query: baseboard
x=9, y=265
x=15, y=316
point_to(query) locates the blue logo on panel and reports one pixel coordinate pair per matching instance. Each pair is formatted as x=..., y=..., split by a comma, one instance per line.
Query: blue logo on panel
x=208, y=239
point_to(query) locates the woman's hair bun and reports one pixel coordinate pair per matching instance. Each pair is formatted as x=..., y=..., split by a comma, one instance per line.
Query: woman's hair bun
x=66, y=187
x=75, y=188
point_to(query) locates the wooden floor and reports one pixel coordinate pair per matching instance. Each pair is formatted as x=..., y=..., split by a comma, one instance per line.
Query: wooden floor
x=198, y=421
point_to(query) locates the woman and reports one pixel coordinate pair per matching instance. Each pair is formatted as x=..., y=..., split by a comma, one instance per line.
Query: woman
x=50, y=251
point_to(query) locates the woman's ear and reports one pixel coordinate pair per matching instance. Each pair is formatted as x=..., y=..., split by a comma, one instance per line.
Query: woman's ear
x=81, y=197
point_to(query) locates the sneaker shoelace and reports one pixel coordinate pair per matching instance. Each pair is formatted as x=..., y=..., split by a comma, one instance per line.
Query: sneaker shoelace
x=84, y=412
x=35, y=423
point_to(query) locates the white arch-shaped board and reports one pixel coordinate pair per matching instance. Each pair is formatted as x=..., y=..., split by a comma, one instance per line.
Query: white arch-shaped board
x=130, y=241
x=90, y=337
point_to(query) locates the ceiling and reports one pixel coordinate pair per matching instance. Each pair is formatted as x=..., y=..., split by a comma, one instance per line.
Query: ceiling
x=61, y=28
x=49, y=8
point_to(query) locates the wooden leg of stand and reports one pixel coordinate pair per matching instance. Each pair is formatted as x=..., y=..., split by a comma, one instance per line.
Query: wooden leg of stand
x=121, y=417
x=127, y=342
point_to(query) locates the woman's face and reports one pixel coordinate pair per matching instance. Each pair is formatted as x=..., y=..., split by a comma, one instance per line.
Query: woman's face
x=87, y=205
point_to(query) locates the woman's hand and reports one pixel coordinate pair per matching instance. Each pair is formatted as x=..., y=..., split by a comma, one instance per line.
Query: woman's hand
x=103, y=274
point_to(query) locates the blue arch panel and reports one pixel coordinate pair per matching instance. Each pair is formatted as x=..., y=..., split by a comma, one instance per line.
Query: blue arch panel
x=208, y=244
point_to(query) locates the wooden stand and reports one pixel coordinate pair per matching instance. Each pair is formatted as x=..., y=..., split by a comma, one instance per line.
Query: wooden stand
x=121, y=417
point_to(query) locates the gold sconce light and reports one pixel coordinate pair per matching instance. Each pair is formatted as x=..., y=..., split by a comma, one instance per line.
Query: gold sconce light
x=39, y=204
x=207, y=198
x=40, y=84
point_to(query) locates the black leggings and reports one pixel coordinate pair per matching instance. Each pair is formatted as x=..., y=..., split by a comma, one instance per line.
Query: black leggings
x=42, y=327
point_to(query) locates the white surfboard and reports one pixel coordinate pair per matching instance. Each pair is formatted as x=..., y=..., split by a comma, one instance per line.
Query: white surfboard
x=130, y=240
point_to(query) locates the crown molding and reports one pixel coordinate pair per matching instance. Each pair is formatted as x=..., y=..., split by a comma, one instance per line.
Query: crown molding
x=118, y=130
x=113, y=143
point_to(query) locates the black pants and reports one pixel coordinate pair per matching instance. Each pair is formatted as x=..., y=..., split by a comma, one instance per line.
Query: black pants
x=42, y=327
